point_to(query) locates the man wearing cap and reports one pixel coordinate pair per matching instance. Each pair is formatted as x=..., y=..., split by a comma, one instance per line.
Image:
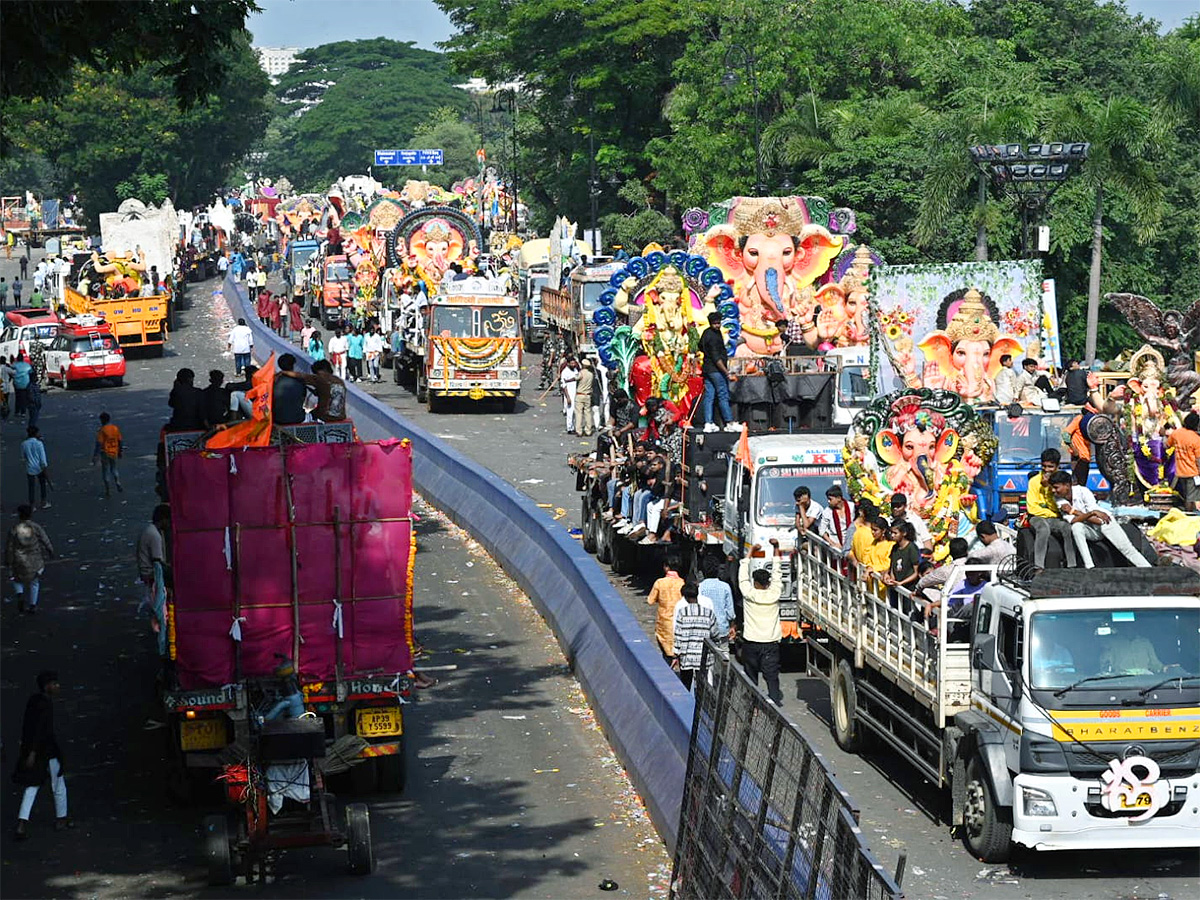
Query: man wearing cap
x=40, y=756
x=900, y=510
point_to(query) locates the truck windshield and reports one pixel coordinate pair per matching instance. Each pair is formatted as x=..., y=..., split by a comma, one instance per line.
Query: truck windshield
x=591, y=294
x=773, y=500
x=854, y=386
x=300, y=258
x=338, y=271
x=1116, y=649
x=452, y=321
x=1023, y=439
x=497, y=321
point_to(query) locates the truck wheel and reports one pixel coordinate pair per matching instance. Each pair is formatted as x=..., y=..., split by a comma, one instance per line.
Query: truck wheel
x=987, y=830
x=217, y=854
x=364, y=778
x=422, y=387
x=843, y=702
x=396, y=371
x=435, y=402
x=604, y=539
x=393, y=770
x=588, y=526
x=358, y=839
x=624, y=555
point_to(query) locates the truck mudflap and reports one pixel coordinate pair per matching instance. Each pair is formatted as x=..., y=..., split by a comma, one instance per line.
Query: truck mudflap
x=985, y=738
x=1072, y=815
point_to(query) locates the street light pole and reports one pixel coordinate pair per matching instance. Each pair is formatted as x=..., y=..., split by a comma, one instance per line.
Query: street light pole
x=593, y=182
x=730, y=79
x=508, y=98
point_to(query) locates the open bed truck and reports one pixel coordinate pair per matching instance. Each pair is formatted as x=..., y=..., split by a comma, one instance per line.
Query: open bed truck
x=302, y=550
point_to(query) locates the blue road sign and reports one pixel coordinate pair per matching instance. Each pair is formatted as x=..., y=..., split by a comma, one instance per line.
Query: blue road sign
x=410, y=157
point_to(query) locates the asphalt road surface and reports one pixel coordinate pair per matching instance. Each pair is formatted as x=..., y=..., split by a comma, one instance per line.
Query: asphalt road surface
x=899, y=810
x=512, y=789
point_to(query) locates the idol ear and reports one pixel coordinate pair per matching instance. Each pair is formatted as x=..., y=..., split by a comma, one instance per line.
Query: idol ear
x=936, y=347
x=887, y=447
x=720, y=248
x=947, y=446
x=817, y=250
x=1004, y=345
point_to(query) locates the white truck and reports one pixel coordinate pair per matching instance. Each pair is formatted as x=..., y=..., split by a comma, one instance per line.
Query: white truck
x=1064, y=713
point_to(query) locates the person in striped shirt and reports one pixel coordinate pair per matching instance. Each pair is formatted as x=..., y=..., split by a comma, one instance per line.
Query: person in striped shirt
x=694, y=621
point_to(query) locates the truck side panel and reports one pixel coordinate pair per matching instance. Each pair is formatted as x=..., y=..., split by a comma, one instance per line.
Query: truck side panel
x=305, y=546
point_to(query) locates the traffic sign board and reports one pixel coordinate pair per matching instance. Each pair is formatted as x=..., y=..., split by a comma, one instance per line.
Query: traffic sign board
x=410, y=157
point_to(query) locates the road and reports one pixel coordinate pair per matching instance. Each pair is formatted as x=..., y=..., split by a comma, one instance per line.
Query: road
x=512, y=790
x=899, y=810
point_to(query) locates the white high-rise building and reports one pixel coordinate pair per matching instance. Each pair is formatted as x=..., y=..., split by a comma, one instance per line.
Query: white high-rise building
x=276, y=60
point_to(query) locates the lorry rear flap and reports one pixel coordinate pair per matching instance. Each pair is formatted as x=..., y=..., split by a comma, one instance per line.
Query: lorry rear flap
x=305, y=545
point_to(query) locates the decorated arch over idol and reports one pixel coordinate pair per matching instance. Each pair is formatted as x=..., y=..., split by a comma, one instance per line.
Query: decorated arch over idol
x=793, y=272
x=649, y=322
x=427, y=241
x=947, y=327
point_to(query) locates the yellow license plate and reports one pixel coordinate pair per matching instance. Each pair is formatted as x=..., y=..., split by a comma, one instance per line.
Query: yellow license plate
x=378, y=721
x=1142, y=801
x=202, y=734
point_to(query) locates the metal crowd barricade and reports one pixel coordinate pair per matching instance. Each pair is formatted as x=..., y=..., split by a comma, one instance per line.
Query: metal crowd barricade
x=762, y=814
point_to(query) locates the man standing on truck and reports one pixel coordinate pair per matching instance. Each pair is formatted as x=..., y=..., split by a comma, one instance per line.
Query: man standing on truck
x=761, y=629
x=1044, y=515
x=836, y=522
x=900, y=510
x=716, y=375
x=808, y=510
x=1186, y=442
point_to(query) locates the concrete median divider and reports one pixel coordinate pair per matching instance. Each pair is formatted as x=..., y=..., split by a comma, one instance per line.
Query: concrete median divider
x=645, y=712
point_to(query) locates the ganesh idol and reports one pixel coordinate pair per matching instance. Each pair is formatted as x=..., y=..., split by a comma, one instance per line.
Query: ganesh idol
x=964, y=356
x=771, y=255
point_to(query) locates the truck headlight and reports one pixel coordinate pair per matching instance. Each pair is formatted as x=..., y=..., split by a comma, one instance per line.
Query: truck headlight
x=1038, y=802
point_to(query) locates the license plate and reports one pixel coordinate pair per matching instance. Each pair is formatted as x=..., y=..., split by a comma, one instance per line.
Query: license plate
x=378, y=721
x=202, y=734
x=1142, y=801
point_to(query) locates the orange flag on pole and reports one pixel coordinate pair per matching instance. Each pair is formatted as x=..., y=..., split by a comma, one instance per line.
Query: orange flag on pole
x=255, y=431
x=743, y=450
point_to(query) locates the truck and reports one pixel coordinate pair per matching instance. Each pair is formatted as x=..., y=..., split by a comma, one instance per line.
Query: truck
x=533, y=274
x=1062, y=713
x=299, y=554
x=737, y=487
x=469, y=345
x=336, y=291
x=136, y=321
x=568, y=312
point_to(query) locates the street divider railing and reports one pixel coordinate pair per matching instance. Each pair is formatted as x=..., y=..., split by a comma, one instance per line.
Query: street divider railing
x=641, y=706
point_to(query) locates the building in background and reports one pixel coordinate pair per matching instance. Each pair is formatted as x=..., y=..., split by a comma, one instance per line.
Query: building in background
x=276, y=60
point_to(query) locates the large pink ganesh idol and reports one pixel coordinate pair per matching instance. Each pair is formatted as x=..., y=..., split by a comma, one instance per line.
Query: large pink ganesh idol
x=965, y=355
x=771, y=254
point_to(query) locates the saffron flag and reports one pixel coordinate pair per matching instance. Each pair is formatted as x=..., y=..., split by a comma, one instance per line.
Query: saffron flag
x=255, y=431
x=743, y=450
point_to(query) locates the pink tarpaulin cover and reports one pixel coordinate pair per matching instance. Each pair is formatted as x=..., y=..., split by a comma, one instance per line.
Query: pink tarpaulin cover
x=350, y=531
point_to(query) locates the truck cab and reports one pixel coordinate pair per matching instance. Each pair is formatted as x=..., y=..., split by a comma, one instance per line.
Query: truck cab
x=337, y=291
x=472, y=344
x=1085, y=719
x=569, y=312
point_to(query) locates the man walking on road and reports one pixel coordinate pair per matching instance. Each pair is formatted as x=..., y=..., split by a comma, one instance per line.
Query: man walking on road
x=33, y=452
x=108, y=450
x=762, y=632
x=41, y=756
x=25, y=552
x=666, y=592
x=584, y=384
x=150, y=550
x=694, y=621
x=241, y=343
x=717, y=594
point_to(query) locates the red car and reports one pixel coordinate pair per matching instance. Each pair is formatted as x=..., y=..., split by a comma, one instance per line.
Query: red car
x=85, y=353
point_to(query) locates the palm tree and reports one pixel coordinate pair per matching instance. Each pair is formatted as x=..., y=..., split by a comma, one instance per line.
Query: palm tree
x=1123, y=133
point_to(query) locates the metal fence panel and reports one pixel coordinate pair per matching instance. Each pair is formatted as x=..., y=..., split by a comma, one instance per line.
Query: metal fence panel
x=762, y=815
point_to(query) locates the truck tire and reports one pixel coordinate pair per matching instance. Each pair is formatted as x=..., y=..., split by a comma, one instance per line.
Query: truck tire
x=218, y=855
x=393, y=770
x=843, y=708
x=508, y=405
x=422, y=387
x=987, y=829
x=604, y=539
x=358, y=839
x=395, y=370
x=624, y=555
x=436, y=403
x=587, y=525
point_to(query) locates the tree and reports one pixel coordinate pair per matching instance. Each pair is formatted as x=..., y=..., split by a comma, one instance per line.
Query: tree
x=446, y=130
x=150, y=189
x=41, y=42
x=643, y=226
x=1123, y=134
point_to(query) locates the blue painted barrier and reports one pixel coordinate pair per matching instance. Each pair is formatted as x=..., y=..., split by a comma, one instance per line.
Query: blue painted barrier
x=645, y=712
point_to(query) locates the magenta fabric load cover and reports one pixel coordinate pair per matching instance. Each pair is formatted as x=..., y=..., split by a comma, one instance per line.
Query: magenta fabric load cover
x=350, y=531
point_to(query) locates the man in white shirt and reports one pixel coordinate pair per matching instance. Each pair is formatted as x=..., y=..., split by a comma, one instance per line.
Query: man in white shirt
x=900, y=510
x=241, y=343
x=808, y=510
x=338, y=347
x=222, y=264
x=761, y=628
x=373, y=348
x=1006, y=381
x=995, y=548
x=836, y=523
x=567, y=379
x=1089, y=523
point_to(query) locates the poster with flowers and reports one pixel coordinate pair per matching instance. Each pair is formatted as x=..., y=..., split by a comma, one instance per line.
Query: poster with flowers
x=946, y=327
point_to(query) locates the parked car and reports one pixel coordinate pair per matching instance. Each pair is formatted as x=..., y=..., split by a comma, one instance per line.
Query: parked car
x=85, y=353
x=22, y=326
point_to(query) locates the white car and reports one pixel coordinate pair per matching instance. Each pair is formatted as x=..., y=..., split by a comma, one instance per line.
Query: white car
x=23, y=326
x=84, y=353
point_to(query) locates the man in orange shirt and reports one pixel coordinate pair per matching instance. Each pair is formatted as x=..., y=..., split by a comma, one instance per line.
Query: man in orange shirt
x=666, y=592
x=1081, y=447
x=1186, y=442
x=108, y=450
